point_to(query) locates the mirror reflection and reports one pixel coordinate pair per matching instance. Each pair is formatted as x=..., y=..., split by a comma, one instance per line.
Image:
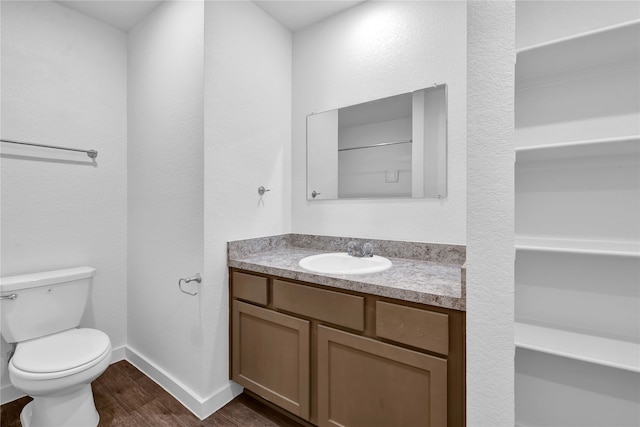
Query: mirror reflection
x=393, y=147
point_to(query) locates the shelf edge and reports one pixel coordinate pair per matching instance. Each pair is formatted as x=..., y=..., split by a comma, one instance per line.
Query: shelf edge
x=574, y=356
x=620, y=253
x=576, y=144
x=526, y=329
x=578, y=36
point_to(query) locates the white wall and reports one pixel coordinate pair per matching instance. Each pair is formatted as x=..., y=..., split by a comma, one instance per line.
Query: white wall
x=247, y=144
x=375, y=50
x=64, y=83
x=165, y=190
x=490, y=211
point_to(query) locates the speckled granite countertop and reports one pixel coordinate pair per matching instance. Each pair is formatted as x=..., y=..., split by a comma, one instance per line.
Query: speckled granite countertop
x=425, y=273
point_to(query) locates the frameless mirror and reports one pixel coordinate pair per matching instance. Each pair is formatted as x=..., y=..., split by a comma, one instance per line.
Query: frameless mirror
x=390, y=147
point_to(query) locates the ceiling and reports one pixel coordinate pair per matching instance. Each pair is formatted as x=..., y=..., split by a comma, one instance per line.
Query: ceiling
x=123, y=14
x=293, y=15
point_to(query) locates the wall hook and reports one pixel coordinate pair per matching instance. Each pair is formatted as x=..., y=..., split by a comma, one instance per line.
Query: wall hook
x=262, y=190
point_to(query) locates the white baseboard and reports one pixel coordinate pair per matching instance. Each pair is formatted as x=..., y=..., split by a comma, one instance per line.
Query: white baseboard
x=199, y=406
x=8, y=393
x=118, y=354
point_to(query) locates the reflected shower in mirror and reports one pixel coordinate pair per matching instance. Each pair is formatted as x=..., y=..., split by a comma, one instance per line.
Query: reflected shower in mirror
x=393, y=147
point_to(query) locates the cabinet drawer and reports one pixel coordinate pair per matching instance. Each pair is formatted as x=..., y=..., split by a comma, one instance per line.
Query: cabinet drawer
x=419, y=328
x=250, y=288
x=333, y=307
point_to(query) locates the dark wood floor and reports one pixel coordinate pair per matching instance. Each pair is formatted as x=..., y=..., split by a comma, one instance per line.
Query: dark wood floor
x=124, y=396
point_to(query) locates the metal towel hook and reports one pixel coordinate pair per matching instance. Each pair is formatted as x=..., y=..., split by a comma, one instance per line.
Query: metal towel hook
x=197, y=278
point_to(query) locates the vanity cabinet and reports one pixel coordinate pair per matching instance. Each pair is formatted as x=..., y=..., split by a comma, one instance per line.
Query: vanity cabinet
x=333, y=357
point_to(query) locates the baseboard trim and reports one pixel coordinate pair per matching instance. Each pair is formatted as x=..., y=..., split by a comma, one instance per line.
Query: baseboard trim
x=8, y=393
x=199, y=406
x=118, y=354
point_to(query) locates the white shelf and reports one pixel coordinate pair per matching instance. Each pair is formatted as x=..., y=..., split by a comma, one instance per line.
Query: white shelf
x=588, y=348
x=611, y=45
x=589, y=247
x=627, y=145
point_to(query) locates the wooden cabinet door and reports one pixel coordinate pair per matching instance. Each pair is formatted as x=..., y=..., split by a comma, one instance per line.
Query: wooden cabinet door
x=271, y=356
x=367, y=383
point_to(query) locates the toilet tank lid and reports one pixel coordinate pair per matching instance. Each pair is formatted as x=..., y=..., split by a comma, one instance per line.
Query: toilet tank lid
x=22, y=281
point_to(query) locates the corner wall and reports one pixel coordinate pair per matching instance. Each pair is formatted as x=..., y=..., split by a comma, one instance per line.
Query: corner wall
x=490, y=213
x=64, y=83
x=165, y=192
x=247, y=145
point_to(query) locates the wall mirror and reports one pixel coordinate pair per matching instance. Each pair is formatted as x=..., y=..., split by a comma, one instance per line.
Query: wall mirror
x=393, y=147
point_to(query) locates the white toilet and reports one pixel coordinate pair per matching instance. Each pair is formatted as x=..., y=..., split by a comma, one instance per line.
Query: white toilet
x=54, y=361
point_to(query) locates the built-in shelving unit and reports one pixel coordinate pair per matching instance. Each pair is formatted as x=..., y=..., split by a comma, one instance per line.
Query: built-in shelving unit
x=577, y=228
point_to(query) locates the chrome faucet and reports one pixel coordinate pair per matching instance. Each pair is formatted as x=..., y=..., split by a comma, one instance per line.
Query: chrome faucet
x=360, y=250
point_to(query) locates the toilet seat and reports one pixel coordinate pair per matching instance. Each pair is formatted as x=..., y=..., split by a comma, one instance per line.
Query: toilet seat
x=60, y=355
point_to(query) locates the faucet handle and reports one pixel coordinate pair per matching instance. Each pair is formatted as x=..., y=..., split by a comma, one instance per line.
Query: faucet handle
x=352, y=248
x=367, y=250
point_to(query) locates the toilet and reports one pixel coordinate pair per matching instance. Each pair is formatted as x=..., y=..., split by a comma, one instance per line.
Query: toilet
x=54, y=361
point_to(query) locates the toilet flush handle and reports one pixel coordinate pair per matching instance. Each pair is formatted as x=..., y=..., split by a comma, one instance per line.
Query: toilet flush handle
x=11, y=296
x=197, y=278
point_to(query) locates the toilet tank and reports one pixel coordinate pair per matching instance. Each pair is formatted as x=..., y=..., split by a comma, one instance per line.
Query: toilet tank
x=44, y=303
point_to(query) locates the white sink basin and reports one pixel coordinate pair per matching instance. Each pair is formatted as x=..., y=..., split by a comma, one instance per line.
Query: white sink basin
x=343, y=263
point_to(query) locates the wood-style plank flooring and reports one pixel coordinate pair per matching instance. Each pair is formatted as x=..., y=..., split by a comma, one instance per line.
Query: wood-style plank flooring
x=124, y=396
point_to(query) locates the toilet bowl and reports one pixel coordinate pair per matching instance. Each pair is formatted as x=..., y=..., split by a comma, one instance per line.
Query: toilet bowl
x=57, y=371
x=54, y=360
